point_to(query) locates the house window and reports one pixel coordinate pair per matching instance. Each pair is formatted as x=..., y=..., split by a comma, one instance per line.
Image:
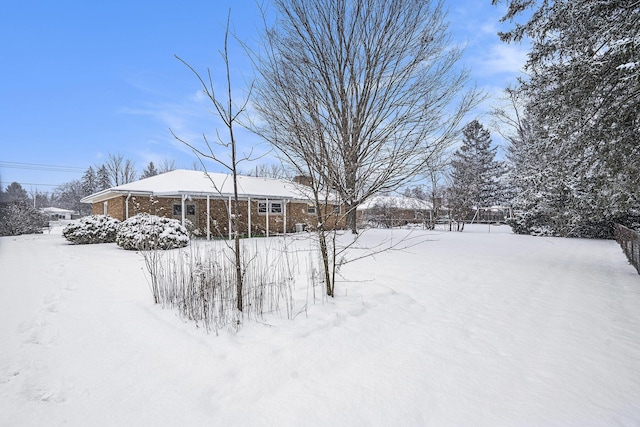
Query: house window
x=311, y=209
x=275, y=208
x=336, y=209
x=177, y=210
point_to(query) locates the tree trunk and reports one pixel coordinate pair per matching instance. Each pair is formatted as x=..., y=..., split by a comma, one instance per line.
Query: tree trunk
x=352, y=221
x=324, y=250
x=239, y=304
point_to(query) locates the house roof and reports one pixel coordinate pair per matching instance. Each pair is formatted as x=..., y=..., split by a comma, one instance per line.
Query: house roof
x=397, y=202
x=181, y=182
x=56, y=210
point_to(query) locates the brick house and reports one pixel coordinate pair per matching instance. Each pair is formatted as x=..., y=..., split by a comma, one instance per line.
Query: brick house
x=393, y=211
x=266, y=206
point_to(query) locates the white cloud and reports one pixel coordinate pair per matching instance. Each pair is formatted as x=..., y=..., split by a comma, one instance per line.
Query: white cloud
x=189, y=118
x=500, y=59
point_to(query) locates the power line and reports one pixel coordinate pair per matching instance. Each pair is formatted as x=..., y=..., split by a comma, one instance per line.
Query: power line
x=44, y=185
x=41, y=167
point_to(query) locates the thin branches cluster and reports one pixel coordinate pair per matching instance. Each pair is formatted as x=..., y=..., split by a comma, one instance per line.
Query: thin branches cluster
x=360, y=93
x=200, y=283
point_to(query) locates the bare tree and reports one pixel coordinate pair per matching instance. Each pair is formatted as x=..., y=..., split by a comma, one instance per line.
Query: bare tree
x=270, y=170
x=167, y=166
x=68, y=196
x=120, y=170
x=229, y=113
x=373, y=85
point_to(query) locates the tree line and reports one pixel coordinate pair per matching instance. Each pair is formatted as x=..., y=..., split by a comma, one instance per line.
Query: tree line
x=365, y=97
x=574, y=119
x=572, y=123
x=116, y=170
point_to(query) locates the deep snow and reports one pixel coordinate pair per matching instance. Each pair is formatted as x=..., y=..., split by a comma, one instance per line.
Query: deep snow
x=471, y=328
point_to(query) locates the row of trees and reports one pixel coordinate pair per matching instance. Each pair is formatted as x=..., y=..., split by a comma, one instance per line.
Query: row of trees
x=572, y=123
x=575, y=117
x=116, y=170
x=19, y=209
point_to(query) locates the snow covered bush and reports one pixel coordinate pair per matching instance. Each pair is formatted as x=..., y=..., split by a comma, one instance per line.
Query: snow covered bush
x=145, y=231
x=20, y=218
x=92, y=229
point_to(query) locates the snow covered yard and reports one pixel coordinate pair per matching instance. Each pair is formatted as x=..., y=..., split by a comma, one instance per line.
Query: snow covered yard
x=473, y=328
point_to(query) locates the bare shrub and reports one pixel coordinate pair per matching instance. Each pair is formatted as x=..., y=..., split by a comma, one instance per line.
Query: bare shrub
x=200, y=282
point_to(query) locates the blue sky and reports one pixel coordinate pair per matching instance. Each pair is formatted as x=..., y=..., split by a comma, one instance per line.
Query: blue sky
x=80, y=80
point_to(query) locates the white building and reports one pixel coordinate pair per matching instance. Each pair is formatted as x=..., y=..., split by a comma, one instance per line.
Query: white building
x=55, y=214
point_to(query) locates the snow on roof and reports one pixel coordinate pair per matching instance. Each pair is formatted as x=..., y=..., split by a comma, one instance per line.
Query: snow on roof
x=189, y=182
x=398, y=202
x=56, y=210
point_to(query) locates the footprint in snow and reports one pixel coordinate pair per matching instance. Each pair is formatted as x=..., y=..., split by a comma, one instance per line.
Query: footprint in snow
x=9, y=376
x=40, y=393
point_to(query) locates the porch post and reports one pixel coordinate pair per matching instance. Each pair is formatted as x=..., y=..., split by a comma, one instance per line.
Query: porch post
x=184, y=196
x=126, y=206
x=267, y=217
x=230, y=222
x=249, y=217
x=284, y=211
x=208, y=218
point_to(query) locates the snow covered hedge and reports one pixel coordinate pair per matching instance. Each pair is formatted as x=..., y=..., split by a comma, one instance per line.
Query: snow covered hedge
x=20, y=218
x=92, y=229
x=145, y=231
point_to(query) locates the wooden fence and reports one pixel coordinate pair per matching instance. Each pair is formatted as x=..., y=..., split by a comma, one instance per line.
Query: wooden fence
x=630, y=242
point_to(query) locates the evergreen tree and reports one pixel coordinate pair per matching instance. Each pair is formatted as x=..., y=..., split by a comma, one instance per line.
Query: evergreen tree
x=475, y=173
x=583, y=96
x=149, y=171
x=102, y=176
x=15, y=193
x=18, y=217
x=541, y=188
x=89, y=181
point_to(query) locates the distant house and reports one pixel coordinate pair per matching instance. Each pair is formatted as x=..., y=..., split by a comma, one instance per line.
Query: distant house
x=265, y=205
x=55, y=214
x=492, y=214
x=392, y=211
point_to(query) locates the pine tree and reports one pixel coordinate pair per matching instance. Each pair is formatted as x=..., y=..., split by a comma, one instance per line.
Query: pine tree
x=149, y=171
x=15, y=193
x=475, y=173
x=20, y=218
x=103, y=181
x=583, y=90
x=89, y=181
